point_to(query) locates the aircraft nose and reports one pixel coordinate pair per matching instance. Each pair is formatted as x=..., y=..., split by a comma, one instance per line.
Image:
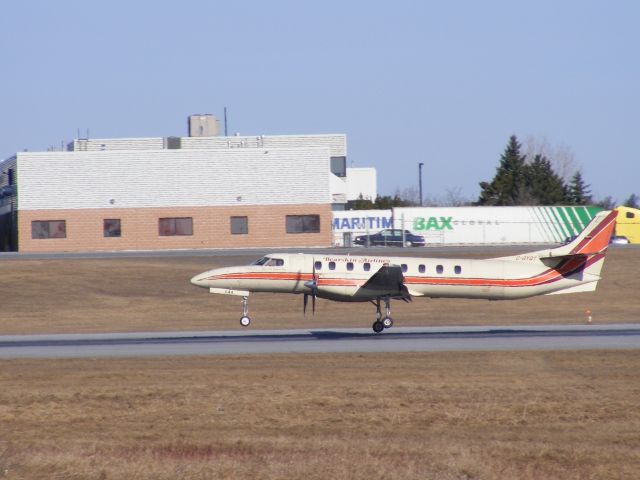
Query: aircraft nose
x=200, y=280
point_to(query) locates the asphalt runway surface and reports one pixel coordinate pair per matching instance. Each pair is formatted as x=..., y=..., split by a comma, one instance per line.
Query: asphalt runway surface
x=397, y=339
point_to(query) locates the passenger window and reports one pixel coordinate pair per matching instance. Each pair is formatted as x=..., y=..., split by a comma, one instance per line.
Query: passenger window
x=332, y=265
x=366, y=267
x=318, y=265
x=457, y=269
x=349, y=266
x=630, y=215
x=439, y=269
x=275, y=262
x=421, y=268
x=404, y=267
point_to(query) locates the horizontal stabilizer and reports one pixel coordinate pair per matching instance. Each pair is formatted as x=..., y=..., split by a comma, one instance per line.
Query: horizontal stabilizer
x=553, y=261
x=583, y=287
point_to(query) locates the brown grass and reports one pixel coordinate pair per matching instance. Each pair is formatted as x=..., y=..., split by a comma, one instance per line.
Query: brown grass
x=152, y=294
x=531, y=415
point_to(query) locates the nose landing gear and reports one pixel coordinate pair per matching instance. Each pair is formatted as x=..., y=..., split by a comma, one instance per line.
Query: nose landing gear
x=382, y=322
x=245, y=320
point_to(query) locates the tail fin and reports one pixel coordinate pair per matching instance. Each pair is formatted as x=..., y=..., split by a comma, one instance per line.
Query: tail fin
x=593, y=239
x=581, y=259
x=588, y=249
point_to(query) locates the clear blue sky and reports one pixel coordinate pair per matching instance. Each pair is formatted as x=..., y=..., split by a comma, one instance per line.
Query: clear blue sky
x=444, y=83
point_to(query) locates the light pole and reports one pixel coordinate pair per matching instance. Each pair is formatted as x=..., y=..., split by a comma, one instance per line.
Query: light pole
x=420, y=180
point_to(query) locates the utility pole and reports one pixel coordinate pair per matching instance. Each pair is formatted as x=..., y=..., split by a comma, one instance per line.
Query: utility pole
x=420, y=180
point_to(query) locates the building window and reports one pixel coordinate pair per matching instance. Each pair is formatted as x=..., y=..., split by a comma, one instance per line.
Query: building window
x=168, y=227
x=439, y=269
x=10, y=177
x=111, y=227
x=49, y=229
x=303, y=223
x=239, y=225
x=339, y=166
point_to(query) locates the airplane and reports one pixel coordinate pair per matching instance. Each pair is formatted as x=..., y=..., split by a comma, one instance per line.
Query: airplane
x=570, y=268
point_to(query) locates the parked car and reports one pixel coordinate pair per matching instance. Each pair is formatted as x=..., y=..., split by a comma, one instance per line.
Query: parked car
x=618, y=240
x=391, y=238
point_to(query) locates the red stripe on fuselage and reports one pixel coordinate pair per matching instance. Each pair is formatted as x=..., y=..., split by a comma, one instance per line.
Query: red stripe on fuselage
x=567, y=267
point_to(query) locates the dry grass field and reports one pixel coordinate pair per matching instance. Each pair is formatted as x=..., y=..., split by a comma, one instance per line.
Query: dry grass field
x=504, y=415
x=531, y=415
x=153, y=294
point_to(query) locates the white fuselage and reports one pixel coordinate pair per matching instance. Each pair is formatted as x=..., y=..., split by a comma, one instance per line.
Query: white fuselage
x=343, y=277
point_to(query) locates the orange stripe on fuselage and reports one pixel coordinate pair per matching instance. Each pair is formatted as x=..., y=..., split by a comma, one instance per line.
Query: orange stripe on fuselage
x=547, y=276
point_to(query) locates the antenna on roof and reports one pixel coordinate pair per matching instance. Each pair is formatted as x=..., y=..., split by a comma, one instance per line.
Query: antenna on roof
x=225, y=122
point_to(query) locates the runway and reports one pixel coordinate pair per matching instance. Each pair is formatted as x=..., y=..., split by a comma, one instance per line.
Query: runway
x=397, y=339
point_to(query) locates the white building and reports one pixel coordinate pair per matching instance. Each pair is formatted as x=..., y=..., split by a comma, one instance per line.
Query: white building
x=175, y=192
x=361, y=183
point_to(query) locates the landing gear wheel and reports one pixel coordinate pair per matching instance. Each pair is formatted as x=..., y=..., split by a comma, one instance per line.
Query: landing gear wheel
x=387, y=322
x=378, y=326
x=245, y=321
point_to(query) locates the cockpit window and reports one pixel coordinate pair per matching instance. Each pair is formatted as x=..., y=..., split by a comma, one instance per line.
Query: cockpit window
x=269, y=262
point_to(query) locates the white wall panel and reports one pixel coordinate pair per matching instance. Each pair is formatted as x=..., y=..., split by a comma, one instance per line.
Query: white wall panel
x=97, y=144
x=168, y=178
x=337, y=143
x=361, y=181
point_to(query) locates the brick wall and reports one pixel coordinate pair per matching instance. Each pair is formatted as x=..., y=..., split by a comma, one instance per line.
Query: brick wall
x=211, y=228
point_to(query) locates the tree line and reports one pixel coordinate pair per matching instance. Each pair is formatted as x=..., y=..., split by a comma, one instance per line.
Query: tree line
x=519, y=181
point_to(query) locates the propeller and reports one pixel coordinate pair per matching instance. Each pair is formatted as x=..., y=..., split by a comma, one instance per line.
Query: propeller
x=313, y=285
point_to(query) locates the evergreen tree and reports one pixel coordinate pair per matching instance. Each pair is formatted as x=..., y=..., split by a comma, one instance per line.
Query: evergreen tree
x=360, y=204
x=578, y=192
x=607, y=203
x=387, y=202
x=507, y=187
x=543, y=185
x=632, y=201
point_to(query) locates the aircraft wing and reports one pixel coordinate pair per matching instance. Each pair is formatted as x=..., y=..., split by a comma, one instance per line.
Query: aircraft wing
x=388, y=280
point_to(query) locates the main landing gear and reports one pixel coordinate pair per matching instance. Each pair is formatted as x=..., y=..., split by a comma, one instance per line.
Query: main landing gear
x=382, y=322
x=244, y=319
